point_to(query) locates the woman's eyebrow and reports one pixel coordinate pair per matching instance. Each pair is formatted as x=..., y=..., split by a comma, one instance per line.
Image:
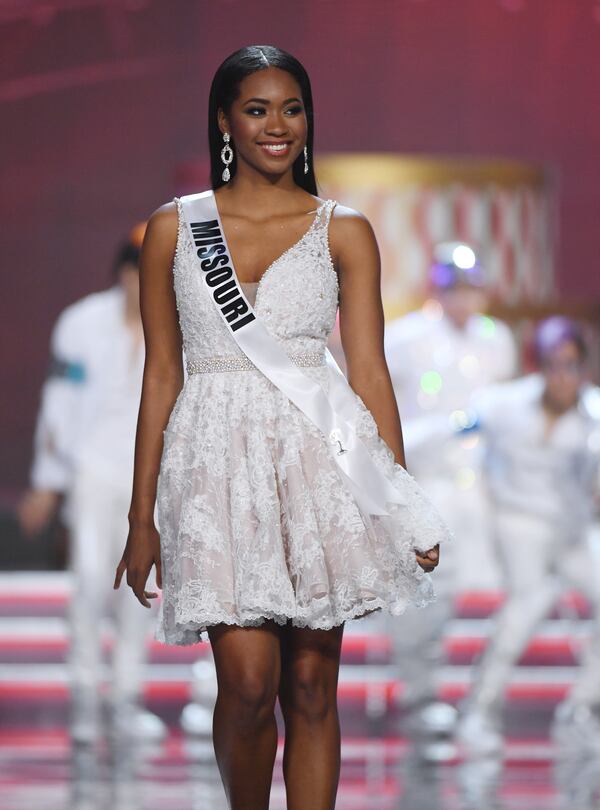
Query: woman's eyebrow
x=266, y=101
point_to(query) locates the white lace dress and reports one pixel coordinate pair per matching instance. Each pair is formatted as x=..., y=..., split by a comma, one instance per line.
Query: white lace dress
x=254, y=518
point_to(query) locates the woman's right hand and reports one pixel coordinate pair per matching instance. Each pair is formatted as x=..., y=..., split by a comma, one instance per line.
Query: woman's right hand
x=142, y=551
x=428, y=560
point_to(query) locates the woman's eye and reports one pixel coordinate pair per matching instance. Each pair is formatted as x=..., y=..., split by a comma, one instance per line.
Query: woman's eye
x=256, y=111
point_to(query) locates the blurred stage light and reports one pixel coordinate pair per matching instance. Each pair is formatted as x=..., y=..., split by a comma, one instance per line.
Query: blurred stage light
x=464, y=257
x=433, y=309
x=459, y=420
x=489, y=326
x=431, y=382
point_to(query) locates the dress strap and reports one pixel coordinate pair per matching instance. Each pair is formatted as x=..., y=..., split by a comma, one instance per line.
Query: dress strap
x=322, y=226
x=324, y=215
x=181, y=230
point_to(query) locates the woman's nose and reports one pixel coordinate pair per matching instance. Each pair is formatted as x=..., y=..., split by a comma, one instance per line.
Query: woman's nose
x=276, y=124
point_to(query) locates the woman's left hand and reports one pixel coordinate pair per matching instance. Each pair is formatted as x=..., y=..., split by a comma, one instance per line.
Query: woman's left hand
x=428, y=560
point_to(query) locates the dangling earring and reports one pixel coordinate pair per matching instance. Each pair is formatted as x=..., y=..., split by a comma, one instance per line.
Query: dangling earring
x=305, y=160
x=226, y=157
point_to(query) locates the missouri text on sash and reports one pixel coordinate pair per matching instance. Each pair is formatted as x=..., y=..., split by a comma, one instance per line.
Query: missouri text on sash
x=216, y=264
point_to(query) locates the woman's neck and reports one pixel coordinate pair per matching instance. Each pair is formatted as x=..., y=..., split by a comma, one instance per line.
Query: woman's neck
x=265, y=192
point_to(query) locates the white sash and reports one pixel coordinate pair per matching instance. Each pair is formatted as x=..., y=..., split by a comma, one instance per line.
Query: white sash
x=333, y=413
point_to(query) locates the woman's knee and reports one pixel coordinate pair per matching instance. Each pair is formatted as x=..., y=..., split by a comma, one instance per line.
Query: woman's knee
x=249, y=703
x=248, y=665
x=255, y=689
x=309, y=692
x=249, y=693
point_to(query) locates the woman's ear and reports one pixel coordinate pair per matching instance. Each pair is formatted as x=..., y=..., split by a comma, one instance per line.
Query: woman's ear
x=222, y=121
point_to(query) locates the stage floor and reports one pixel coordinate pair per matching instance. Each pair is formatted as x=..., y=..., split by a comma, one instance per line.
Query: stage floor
x=39, y=769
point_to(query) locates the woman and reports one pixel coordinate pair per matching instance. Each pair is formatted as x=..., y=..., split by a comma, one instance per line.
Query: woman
x=262, y=544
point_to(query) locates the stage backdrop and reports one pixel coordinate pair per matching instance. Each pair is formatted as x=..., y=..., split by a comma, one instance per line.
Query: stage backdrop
x=504, y=209
x=102, y=100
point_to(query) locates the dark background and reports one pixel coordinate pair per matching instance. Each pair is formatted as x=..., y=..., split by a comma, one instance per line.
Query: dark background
x=100, y=101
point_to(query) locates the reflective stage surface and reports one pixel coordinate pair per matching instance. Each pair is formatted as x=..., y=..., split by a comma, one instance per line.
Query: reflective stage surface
x=39, y=770
x=381, y=768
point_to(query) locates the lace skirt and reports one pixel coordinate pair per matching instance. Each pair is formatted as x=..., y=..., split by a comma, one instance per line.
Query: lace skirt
x=256, y=522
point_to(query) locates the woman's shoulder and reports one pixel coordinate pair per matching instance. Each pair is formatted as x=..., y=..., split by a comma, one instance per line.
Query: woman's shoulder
x=164, y=214
x=346, y=214
x=163, y=227
x=348, y=223
x=163, y=221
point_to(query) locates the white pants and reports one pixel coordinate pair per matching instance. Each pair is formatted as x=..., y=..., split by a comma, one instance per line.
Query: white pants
x=99, y=526
x=468, y=562
x=538, y=563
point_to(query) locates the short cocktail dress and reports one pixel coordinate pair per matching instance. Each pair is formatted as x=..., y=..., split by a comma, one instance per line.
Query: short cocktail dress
x=254, y=518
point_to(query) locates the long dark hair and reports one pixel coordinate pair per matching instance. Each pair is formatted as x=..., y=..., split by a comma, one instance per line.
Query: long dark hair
x=225, y=89
x=127, y=253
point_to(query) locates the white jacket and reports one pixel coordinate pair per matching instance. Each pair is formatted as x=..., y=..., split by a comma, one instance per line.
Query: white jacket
x=553, y=477
x=90, y=400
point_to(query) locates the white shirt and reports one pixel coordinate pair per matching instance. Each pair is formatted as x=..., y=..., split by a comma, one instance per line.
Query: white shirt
x=90, y=402
x=553, y=476
x=435, y=366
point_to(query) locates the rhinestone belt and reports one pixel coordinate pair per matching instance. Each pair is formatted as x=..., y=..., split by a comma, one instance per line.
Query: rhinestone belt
x=239, y=362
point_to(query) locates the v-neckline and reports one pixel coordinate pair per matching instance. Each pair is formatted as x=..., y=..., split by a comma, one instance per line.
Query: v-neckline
x=277, y=258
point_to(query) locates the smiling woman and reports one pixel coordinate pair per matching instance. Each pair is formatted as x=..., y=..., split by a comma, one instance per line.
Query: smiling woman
x=284, y=507
x=288, y=96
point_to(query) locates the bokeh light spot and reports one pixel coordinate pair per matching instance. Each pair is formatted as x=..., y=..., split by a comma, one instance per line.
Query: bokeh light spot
x=488, y=326
x=464, y=257
x=431, y=382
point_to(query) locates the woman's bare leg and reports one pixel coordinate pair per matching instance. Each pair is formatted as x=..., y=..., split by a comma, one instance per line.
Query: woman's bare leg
x=310, y=661
x=247, y=661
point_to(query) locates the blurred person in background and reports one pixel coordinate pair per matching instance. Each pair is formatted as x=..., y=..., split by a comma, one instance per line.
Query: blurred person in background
x=542, y=468
x=83, y=459
x=438, y=357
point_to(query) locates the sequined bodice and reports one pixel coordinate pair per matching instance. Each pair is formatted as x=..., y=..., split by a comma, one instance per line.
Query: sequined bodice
x=296, y=298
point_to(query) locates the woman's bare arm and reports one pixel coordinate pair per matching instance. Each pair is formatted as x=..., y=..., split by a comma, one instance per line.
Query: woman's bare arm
x=162, y=382
x=362, y=323
x=355, y=249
